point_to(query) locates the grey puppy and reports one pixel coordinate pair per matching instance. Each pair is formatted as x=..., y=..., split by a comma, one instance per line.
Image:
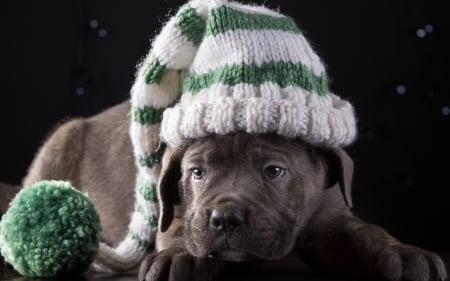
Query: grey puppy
x=230, y=198
x=244, y=197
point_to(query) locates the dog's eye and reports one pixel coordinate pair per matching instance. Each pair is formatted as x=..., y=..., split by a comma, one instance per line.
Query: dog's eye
x=198, y=174
x=274, y=172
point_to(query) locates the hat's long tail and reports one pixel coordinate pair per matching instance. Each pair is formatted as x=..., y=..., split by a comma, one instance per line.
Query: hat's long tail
x=157, y=86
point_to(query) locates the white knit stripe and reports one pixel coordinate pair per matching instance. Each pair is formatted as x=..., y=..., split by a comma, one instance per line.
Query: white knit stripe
x=172, y=48
x=294, y=118
x=141, y=228
x=189, y=117
x=254, y=9
x=120, y=261
x=255, y=47
x=268, y=90
x=152, y=172
x=172, y=128
x=293, y=113
x=341, y=125
x=145, y=138
x=156, y=95
x=202, y=7
x=318, y=128
x=150, y=175
x=259, y=117
x=331, y=121
x=221, y=116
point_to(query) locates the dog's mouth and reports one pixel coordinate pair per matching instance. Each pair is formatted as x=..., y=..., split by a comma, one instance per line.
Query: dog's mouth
x=229, y=254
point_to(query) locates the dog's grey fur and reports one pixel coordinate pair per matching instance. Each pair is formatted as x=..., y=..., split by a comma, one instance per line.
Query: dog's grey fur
x=305, y=209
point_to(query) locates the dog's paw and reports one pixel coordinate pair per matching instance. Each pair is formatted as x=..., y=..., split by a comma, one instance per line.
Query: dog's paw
x=405, y=262
x=178, y=265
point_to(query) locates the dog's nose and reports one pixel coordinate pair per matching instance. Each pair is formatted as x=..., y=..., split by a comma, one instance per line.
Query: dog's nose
x=226, y=218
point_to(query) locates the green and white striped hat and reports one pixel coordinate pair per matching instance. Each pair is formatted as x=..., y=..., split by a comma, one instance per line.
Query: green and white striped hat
x=219, y=67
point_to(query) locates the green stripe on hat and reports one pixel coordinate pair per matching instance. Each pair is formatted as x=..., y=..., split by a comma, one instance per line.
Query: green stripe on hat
x=154, y=71
x=224, y=18
x=141, y=243
x=147, y=115
x=152, y=220
x=190, y=24
x=282, y=73
x=150, y=160
x=147, y=190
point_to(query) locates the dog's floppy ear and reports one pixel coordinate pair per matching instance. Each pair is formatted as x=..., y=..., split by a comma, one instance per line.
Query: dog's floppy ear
x=168, y=191
x=340, y=170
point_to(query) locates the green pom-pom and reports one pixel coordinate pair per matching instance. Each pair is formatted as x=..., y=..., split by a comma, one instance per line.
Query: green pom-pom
x=50, y=229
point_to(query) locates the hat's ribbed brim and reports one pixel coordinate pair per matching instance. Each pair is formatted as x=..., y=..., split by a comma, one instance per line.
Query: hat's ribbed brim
x=291, y=112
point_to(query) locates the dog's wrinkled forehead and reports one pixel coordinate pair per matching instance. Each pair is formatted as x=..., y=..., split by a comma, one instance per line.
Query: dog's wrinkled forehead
x=241, y=146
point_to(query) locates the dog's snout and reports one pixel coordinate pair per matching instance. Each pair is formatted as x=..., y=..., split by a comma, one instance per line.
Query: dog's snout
x=226, y=218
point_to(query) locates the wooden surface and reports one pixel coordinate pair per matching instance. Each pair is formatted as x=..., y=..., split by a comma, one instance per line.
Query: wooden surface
x=289, y=269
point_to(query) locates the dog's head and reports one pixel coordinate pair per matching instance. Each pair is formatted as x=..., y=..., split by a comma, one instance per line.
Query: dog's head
x=247, y=196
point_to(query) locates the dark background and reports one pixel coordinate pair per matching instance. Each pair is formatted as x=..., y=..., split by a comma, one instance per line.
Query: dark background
x=63, y=59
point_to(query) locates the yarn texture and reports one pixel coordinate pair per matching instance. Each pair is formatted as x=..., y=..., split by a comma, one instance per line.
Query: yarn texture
x=50, y=229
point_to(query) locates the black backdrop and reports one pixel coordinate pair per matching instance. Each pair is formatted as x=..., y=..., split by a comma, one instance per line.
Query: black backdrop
x=389, y=58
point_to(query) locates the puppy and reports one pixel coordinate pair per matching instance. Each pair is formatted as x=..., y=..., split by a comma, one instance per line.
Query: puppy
x=231, y=198
x=244, y=197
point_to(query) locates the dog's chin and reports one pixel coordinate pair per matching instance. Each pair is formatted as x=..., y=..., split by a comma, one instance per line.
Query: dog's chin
x=232, y=255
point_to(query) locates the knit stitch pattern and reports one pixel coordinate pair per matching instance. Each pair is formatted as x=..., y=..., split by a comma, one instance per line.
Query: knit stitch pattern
x=219, y=67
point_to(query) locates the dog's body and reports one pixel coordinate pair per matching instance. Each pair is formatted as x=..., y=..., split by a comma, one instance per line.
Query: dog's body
x=231, y=198
x=95, y=155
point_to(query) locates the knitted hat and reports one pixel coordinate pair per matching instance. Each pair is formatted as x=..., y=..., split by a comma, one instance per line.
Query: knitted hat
x=219, y=67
